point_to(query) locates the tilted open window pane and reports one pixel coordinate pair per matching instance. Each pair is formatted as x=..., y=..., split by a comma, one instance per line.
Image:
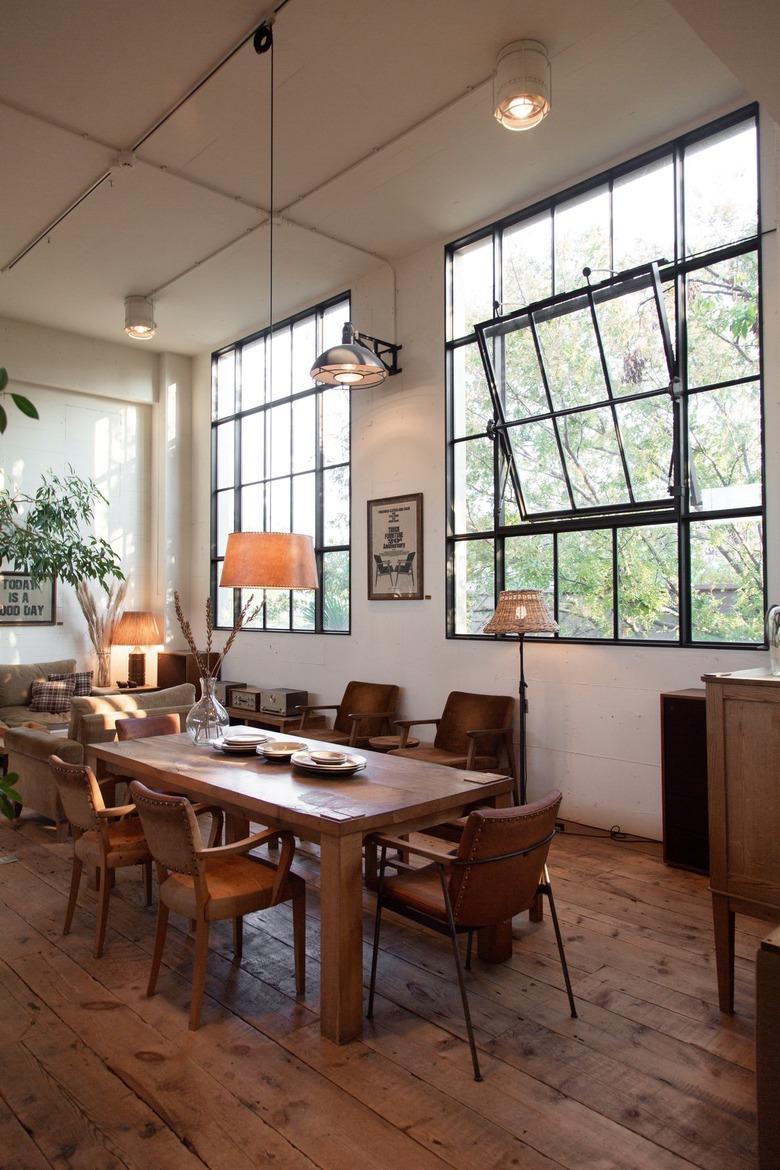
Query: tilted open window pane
x=604, y=360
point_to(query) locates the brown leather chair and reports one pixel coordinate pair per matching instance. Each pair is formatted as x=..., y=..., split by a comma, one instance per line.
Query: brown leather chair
x=106, y=838
x=365, y=710
x=145, y=728
x=498, y=870
x=210, y=884
x=474, y=732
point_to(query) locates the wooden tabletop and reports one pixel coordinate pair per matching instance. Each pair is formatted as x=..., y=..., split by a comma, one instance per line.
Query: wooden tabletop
x=388, y=792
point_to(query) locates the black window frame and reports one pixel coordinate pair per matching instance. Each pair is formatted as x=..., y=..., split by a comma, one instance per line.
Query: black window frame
x=682, y=515
x=321, y=550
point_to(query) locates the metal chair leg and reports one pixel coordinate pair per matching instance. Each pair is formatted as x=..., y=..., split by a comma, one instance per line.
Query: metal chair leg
x=377, y=926
x=459, y=969
x=559, y=939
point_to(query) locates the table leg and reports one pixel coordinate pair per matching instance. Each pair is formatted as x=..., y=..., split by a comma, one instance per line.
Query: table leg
x=341, y=946
x=236, y=827
x=494, y=943
x=723, y=920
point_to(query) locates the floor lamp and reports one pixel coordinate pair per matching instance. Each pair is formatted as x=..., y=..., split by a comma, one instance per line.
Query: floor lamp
x=521, y=612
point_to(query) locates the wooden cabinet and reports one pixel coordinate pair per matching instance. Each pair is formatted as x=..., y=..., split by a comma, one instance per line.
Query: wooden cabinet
x=743, y=764
x=684, y=779
x=175, y=667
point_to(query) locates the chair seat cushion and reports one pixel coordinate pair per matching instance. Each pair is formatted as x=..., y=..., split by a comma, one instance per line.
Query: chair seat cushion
x=420, y=891
x=127, y=844
x=236, y=885
x=432, y=755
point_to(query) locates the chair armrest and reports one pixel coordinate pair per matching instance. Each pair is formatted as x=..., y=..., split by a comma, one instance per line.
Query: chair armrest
x=317, y=707
x=217, y=821
x=39, y=745
x=485, y=731
x=437, y=855
x=121, y=810
x=216, y=852
x=370, y=715
x=407, y=723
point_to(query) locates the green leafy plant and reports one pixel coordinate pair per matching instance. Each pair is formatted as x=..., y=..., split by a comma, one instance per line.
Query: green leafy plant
x=19, y=401
x=9, y=797
x=46, y=535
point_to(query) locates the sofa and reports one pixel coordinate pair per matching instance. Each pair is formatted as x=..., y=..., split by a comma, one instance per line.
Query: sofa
x=16, y=684
x=93, y=719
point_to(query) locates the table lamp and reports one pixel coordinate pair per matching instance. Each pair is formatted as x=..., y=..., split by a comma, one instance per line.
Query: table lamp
x=137, y=628
x=521, y=612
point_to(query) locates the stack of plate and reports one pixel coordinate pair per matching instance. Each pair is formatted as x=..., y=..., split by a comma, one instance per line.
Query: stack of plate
x=240, y=741
x=279, y=749
x=327, y=763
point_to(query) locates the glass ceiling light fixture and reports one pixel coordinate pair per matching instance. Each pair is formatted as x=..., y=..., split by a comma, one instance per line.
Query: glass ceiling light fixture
x=139, y=318
x=360, y=361
x=521, y=85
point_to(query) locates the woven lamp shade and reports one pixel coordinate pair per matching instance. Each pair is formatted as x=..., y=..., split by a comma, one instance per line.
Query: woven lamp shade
x=521, y=611
x=269, y=560
x=138, y=627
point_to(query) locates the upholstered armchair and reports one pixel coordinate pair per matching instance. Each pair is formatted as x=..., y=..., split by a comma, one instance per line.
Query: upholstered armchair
x=366, y=709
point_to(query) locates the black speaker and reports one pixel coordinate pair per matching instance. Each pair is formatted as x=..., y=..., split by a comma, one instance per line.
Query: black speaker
x=684, y=780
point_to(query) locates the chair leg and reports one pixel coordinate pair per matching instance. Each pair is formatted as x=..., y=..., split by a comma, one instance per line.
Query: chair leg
x=469, y=945
x=377, y=928
x=199, y=972
x=75, y=881
x=559, y=940
x=238, y=939
x=461, y=980
x=159, y=943
x=102, y=917
x=299, y=942
x=148, y=882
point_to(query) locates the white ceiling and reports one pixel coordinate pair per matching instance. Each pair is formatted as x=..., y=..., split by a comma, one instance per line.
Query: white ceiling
x=384, y=142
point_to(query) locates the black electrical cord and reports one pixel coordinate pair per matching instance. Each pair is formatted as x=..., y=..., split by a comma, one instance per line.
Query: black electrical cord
x=613, y=834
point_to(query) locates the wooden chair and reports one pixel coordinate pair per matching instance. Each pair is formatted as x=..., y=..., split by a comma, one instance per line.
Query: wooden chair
x=472, y=732
x=106, y=838
x=145, y=728
x=210, y=884
x=498, y=870
x=366, y=709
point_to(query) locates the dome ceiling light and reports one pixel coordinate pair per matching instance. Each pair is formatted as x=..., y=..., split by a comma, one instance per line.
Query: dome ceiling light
x=521, y=85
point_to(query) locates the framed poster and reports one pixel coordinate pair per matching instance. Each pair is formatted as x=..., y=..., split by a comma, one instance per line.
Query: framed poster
x=24, y=602
x=395, y=548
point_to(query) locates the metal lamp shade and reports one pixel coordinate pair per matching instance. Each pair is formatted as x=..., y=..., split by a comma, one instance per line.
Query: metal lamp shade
x=348, y=364
x=521, y=611
x=269, y=560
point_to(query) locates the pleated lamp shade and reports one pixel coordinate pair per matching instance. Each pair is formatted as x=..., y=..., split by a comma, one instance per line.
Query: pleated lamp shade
x=138, y=627
x=269, y=560
x=521, y=611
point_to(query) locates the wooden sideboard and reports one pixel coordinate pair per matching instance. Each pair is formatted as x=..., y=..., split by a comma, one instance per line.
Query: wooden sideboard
x=743, y=766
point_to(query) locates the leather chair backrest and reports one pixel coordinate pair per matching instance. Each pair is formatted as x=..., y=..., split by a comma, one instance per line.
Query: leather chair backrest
x=80, y=793
x=170, y=828
x=145, y=727
x=467, y=712
x=363, y=698
x=495, y=890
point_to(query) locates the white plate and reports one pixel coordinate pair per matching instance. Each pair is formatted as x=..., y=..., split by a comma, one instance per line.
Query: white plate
x=254, y=737
x=279, y=749
x=232, y=749
x=350, y=765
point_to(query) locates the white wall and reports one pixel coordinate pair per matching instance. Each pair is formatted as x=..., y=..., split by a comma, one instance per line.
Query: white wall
x=99, y=412
x=593, y=724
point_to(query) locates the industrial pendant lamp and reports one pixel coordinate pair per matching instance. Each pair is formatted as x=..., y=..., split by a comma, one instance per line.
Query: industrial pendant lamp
x=521, y=85
x=139, y=318
x=360, y=361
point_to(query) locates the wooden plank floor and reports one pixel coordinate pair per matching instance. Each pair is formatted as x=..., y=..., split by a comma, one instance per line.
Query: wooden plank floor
x=650, y=1077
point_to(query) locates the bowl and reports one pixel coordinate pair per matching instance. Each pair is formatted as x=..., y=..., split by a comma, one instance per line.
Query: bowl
x=321, y=757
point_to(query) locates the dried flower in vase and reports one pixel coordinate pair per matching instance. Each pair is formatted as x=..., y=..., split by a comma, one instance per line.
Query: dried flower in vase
x=203, y=658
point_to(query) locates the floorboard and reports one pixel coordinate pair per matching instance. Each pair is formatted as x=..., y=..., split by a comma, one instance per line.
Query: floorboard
x=650, y=1077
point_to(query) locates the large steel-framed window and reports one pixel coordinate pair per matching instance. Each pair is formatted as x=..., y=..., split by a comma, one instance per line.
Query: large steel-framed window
x=280, y=461
x=604, y=430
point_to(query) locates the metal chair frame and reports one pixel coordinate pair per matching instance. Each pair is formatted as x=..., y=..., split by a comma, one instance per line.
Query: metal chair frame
x=451, y=928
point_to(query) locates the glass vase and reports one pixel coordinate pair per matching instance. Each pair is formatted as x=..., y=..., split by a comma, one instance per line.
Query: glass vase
x=773, y=638
x=208, y=719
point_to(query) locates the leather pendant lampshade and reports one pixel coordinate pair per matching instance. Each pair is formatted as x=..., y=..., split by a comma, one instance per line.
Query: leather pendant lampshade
x=269, y=560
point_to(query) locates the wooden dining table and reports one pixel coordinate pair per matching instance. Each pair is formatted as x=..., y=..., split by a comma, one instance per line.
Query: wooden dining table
x=391, y=794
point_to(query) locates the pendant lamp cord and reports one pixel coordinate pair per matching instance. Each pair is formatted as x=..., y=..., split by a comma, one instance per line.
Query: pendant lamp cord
x=264, y=43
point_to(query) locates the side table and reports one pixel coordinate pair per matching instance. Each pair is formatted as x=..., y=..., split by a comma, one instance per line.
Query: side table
x=387, y=743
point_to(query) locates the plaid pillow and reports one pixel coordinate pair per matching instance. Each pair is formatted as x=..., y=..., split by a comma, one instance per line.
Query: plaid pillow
x=83, y=679
x=53, y=697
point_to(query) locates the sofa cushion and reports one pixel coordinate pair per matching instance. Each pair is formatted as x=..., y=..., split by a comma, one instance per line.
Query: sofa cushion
x=82, y=679
x=21, y=717
x=16, y=679
x=54, y=697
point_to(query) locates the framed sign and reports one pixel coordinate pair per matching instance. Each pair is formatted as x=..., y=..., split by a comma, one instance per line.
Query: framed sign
x=395, y=548
x=24, y=602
